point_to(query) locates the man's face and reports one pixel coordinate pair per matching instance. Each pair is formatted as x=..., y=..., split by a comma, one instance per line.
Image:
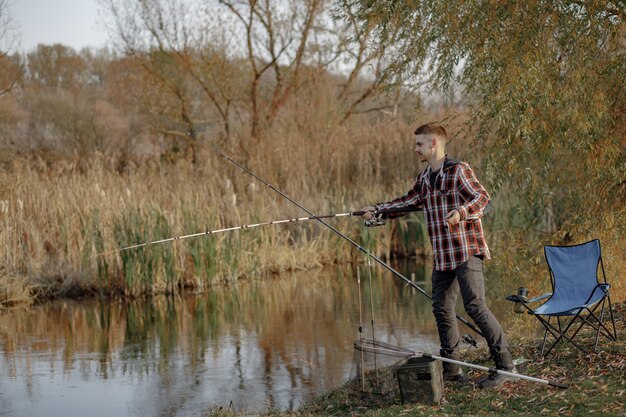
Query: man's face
x=425, y=146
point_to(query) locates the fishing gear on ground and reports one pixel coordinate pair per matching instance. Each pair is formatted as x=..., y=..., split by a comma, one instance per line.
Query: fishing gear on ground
x=397, y=356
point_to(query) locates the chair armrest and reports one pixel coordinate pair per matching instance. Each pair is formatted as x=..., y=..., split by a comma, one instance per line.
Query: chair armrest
x=517, y=299
x=541, y=297
x=604, y=287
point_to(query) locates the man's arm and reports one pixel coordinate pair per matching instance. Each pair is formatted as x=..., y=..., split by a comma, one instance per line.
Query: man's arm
x=474, y=195
x=411, y=201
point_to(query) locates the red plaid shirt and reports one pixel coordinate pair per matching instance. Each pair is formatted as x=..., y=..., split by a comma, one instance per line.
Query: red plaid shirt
x=456, y=187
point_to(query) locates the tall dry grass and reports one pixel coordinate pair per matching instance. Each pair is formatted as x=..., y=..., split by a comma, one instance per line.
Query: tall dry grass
x=58, y=216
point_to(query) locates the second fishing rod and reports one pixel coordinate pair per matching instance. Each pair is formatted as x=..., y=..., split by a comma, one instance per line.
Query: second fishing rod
x=188, y=134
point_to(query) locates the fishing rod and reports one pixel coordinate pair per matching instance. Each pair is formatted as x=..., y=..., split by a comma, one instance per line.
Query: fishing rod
x=250, y=226
x=495, y=370
x=387, y=349
x=189, y=135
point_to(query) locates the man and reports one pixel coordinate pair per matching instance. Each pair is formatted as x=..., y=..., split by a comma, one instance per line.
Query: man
x=453, y=202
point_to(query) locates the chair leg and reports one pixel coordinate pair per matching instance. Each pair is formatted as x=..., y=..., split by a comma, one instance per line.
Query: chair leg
x=584, y=321
x=561, y=332
x=557, y=336
x=599, y=327
x=545, y=337
x=612, y=319
x=595, y=345
x=563, y=335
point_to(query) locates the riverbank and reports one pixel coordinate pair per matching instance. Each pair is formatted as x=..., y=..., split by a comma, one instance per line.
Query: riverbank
x=596, y=386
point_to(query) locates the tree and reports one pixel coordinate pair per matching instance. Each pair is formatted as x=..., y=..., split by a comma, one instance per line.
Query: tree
x=56, y=67
x=546, y=84
x=10, y=64
x=241, y=63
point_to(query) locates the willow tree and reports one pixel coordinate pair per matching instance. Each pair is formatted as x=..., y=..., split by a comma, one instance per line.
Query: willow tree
x=545, y=81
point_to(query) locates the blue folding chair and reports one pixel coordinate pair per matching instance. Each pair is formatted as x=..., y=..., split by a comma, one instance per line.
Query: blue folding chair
x=576, y=295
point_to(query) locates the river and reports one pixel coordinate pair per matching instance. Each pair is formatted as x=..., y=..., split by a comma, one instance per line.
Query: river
x=271, y=343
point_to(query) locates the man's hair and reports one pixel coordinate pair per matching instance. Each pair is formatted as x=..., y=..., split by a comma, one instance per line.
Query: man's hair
x=432, y=128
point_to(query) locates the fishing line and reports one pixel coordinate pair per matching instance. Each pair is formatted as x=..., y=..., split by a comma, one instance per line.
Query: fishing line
x=358, y=280
x=189, y=135
x=369, y=269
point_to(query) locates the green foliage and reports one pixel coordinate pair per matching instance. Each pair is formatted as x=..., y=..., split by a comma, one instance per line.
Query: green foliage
x=103, y=265
x=545, y=85
x=141, y=268
x=202, y=250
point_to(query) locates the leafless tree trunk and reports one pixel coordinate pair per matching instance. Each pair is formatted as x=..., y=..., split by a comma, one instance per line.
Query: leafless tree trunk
x=277, y=36
x=10, y=66
x=248, y=57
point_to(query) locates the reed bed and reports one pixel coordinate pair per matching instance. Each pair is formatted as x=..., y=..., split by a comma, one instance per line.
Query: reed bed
x=57, y=216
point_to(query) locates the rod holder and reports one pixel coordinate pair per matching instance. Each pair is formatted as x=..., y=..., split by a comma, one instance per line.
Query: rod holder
x=522, y=294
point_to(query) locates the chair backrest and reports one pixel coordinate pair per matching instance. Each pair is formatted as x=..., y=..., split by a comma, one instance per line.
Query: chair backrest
x=574, y=270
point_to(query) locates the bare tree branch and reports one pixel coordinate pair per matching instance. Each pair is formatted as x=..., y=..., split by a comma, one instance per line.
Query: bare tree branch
x=10, y=67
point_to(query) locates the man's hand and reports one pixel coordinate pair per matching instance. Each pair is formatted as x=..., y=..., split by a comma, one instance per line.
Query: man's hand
x=369, y=213
x=454, y=217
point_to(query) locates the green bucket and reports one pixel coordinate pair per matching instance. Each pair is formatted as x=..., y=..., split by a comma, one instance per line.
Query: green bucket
x=421, y=380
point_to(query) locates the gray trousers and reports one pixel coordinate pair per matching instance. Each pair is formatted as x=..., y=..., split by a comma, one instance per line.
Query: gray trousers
x=468, y=278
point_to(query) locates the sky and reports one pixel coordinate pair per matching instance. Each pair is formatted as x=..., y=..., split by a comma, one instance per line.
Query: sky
x=70, y=22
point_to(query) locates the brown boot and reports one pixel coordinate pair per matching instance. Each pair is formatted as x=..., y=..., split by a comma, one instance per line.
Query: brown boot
x=504, y=362
x=457, y=377
x=451, y=371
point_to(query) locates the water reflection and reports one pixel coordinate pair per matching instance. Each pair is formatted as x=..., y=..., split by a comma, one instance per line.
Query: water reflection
x=272, y=343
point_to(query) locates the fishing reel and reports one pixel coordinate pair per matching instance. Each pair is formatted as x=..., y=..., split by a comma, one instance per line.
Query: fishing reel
x=467, y=338
x=376, y=221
